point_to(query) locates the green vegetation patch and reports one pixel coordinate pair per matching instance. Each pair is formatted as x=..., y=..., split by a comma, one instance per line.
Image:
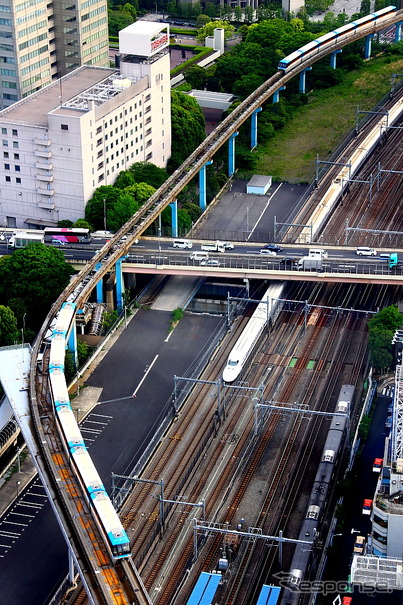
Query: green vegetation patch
x=293, y=362
x=321, y=125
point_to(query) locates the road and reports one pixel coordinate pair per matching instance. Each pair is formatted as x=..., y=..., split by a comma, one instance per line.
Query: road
x=116, y=433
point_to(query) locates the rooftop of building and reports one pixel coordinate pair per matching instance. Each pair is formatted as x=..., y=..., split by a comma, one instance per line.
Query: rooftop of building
x=34, y=109
x=145, y=28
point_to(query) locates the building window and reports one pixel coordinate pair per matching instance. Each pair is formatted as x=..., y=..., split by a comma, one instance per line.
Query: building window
x=15, y=133
x=99, y=129
x=15, y=144
x=17, y=168
x=6, y=166
x=4, y=131
x=16, y=156
x=5, y=143
x=64, y=126
x=8, y=179
x=5, y=154
x=18, y=180
x=101, y=177
x=99, y=142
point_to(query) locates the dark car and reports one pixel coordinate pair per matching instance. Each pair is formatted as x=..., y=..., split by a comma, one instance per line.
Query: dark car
x=273, y=247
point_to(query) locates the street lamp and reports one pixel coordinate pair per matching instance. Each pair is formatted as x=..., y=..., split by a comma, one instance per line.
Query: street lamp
x=78, y=410
x=18, y=483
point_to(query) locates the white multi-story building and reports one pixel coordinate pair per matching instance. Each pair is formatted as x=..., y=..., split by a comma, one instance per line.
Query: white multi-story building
x=61, y=143
x=42, y=40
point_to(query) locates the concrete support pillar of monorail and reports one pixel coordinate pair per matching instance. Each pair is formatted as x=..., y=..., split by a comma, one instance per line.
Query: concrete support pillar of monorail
x=253, y=128
x=368, y=45
x=333, y=57
x=203, y=185
x=72, y=341
x=231, y=154
x=99, y=287
x=302, y=79
x=398, y=31
x=276, y=94
x=174, y=218
x=120, y=287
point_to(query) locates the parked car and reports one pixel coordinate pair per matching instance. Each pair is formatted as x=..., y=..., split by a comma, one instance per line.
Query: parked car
x=359, y=545
x=273, y=247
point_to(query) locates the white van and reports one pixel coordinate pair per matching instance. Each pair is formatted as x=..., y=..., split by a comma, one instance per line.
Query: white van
x=198, y=256
x=317, y=253
x=182, y=243
x=365, y=251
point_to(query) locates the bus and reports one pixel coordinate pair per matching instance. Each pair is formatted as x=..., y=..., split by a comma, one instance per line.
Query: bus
x=20, y=239
x=67, y=235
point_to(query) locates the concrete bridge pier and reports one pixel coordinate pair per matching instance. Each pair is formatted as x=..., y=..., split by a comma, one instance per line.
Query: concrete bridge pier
x=253, y=128
x=231, y=154
x=174, y=218
x=120, y=286
x=333, y=56
x=302, y=79
x=202, y=185
x=368, y=45
x=99, y=287
x=276, y=94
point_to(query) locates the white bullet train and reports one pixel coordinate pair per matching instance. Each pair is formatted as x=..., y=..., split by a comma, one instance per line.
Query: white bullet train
x=265, y=311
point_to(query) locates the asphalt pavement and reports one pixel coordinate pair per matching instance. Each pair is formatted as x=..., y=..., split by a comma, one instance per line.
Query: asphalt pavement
x=124, y=401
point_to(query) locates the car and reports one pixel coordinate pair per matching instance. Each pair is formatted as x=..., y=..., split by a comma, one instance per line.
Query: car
x=273, y=247
x=359, y=545
x=365, y=251
x=265, y=252
x=210, y=262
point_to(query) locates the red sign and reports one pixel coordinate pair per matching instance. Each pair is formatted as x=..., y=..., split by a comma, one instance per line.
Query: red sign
x=159, y=42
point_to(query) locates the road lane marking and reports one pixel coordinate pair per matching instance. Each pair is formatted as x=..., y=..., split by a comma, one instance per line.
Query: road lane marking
x=263, y=211
x=145, y=375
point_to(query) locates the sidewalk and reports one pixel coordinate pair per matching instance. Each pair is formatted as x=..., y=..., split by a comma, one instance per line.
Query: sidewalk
x=82, y=405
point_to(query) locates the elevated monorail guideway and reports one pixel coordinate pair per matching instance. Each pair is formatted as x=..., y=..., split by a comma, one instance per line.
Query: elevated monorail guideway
x=80, y=288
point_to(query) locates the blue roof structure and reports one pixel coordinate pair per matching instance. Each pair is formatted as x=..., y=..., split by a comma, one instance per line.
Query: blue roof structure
x=268, y=595
x=205, y=589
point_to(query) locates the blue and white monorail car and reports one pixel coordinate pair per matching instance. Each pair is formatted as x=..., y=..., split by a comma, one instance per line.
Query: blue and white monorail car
x=330, y=38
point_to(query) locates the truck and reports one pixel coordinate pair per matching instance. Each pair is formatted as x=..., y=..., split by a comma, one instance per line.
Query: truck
x=309, y=263
x=213, y=246
x=317, y=253
x=20, y=239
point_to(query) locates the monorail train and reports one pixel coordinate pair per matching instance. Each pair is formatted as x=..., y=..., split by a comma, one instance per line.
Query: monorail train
x=245, y=343
x=327, y=39
x=319, y=494
x=105, y=516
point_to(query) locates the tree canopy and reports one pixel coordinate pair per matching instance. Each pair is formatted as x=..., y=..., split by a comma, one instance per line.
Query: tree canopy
x=8, y=327
x=382, y=327
x=35, y=275
x=188, y=127
x=208, y=30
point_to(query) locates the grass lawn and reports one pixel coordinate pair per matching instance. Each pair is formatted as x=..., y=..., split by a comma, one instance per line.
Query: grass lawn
x=319, y=126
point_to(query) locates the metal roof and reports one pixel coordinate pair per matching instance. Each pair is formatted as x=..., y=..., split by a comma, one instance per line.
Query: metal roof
x=205, y=589
x=268, y=595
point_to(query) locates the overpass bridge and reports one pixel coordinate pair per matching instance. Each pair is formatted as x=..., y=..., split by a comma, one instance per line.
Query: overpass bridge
x=79, y=290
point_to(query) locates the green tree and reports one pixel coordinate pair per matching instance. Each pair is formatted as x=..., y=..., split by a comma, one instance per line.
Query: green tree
x=124, y=179
x=8, y=327
x=65, y=223
x=98, y=206
x=129, y=9
x=146, y=172
x=188, y=127
x=196, y=76
x=209, y=28
x=202, y=19
x=37, y=274
x=210, y=9
x=140, y=192
x=121, y=211
x=83, y=224
x=381, y=330
x=117, y=20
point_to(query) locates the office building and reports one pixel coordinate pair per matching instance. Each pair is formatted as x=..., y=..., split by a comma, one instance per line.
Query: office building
x=61, y=143
x=41, y=41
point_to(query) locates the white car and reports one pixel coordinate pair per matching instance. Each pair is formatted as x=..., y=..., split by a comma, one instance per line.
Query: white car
x=210, y=262
x=365, y=251
x=265, y=252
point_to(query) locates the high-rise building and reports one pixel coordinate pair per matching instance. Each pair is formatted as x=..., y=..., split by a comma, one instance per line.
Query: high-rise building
x=42, y=40
x=61, y=143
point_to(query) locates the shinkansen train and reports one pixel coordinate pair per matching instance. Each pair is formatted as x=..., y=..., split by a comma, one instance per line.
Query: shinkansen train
x=101, y=507
x=245, y=343
x=319, y=494
x=330, y=38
